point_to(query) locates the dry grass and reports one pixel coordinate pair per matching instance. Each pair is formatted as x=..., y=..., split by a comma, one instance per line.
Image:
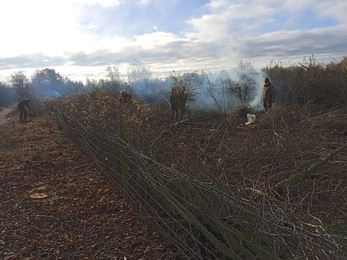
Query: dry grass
x=278, y=145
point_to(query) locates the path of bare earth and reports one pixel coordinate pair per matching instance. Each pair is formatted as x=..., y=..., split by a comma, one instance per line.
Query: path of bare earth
x=55, y=204
x=4, y=114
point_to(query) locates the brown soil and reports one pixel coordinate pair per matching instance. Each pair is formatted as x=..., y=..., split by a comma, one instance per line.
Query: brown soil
x=55, y=204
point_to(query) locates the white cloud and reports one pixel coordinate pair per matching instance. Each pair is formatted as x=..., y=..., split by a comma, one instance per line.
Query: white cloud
x=333, y=8
x=226, y=32
x=144, y=2
x=156, y=39
x=37, y=26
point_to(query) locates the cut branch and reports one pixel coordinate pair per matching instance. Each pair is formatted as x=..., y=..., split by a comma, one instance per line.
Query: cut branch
x=307, y=172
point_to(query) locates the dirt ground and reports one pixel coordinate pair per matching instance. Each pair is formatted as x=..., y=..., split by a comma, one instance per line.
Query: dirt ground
x=4, y=114
x=57, y=205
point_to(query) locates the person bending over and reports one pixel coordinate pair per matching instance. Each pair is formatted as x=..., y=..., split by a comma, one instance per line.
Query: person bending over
x=22, y=111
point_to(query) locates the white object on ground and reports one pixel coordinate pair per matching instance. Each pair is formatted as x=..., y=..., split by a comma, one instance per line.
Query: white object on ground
x=251, y=118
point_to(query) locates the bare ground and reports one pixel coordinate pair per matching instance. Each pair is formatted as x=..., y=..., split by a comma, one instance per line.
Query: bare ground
x=56, y=205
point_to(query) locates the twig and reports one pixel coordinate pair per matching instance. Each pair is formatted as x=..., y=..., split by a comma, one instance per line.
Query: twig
x=305, y=173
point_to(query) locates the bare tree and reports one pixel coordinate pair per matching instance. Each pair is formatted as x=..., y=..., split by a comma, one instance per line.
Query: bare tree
x=20, y=84
x=114, y=82
x=48, y=82
x=2, y=91
x=244, y=88
x=213, y=96
x=182, y=85
x=137, y=71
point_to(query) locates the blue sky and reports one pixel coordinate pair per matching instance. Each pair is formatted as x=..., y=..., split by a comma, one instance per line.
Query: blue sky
x=80, y=38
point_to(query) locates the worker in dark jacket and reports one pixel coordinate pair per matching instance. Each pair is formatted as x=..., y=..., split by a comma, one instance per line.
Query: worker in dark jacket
x=174, y=101
x=22, y=111
x=268, y=94
x=125, y=97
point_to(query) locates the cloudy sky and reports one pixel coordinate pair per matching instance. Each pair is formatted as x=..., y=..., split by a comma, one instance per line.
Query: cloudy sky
x=80, y=38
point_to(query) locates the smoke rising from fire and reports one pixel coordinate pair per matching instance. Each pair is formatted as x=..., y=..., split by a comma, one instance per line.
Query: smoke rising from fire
x=211, y=90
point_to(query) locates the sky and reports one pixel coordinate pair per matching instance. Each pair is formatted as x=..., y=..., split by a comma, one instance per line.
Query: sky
x=80, y=38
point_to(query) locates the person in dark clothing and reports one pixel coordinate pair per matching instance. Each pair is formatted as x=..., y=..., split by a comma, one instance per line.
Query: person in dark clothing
x=22, y=111
x=268, y=94
x=174, y=105
x=125, y=97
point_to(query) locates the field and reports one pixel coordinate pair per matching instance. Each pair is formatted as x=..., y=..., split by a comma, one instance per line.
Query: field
x=57, y=205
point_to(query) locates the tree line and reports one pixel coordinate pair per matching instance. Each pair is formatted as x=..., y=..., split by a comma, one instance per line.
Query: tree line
x=302, y=83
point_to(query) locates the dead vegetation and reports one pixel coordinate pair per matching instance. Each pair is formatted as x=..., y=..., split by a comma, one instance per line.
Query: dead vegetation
x=55, y=204
x=219, y=168
x=192, y=164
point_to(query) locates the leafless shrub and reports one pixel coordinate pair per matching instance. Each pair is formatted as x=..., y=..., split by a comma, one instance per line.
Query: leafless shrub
x=207, y=183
